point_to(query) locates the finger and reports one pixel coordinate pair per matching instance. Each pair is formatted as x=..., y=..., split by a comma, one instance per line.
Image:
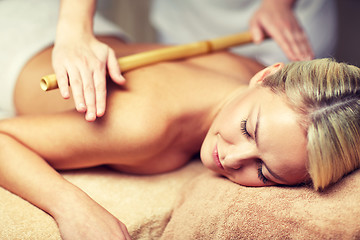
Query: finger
x=280, y=36
x=294, y=41
x=306, y=52
x=300, y=45
x=77, y=89
x=100, y=91
x=311, y=54
x=89, y=94
x=294, y=44
x=114, y=68
x=256, y=31
x=63, y=82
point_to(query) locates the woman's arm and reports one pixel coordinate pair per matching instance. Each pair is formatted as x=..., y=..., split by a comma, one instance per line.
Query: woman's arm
x=80, y=59
x=25, y=173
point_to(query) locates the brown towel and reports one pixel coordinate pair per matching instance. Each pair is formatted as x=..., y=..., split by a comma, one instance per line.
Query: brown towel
x=143, y=203
x=214, y=208
x=193, y=203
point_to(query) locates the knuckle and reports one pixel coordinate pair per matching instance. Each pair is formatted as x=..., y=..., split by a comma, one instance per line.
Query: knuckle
x=285, y=25
x=111, y=53
x=99, y=64
x=62, y=79
x=79, y=99
x=100, y=94
x=100, y=86
x=75, y=81
x=88, y=87
x=81, y=62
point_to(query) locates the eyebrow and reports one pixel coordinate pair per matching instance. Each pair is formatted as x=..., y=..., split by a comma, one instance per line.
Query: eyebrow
x=256, y=133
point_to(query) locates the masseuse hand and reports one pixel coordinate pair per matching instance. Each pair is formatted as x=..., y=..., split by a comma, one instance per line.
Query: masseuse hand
x=83, y=61
x=80, y=60
x=276, y=19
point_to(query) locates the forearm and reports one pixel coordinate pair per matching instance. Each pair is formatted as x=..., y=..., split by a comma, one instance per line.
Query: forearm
x=27, y=175
x=75, y=18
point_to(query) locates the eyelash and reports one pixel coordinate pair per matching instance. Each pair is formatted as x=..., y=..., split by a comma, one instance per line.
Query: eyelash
x=243, y=128
x=246, y=133
x=261, y=175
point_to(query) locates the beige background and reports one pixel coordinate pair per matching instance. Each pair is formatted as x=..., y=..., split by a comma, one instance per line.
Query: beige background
x=132, y=16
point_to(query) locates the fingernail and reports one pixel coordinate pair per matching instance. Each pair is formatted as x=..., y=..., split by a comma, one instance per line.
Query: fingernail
x=90, y=116
x=256, y=36
x=100, y=113
x=65, y=94
x=305, y=57
x=81, y=107
x=257, y=39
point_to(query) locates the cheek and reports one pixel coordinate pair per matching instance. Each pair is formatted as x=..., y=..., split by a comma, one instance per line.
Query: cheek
x=252, y=181
x=247, y=178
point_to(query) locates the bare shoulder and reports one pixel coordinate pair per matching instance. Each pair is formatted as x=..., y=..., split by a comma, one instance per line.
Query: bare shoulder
x=229, y=64
x=143, y=124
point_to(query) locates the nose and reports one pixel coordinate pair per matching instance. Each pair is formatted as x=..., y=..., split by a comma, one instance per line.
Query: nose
x=238, y=157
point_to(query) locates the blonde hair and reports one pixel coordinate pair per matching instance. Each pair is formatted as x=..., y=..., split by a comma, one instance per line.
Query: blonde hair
x=327, y=96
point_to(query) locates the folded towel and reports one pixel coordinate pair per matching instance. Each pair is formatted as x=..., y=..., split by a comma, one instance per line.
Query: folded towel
x=194, y=203
x=214, y=208
x=143, y=203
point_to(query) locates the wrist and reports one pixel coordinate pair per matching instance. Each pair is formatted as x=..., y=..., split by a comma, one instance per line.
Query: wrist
x=284, y=3
x=69, y=29
x=68, y=202
x=76, y=18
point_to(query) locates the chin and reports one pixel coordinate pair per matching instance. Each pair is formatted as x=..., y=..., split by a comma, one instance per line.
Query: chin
x=203, y=153
x=204, y=160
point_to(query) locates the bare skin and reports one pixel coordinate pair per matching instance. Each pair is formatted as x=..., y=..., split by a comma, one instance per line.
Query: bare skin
x=153, y=124
x=161, y=99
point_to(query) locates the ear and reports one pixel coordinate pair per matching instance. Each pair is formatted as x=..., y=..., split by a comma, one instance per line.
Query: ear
x=260, y=76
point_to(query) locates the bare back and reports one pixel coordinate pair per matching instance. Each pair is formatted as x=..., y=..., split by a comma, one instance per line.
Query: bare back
x=155, y=123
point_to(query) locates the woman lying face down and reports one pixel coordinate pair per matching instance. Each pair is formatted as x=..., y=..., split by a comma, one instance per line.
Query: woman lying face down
x=293, y=124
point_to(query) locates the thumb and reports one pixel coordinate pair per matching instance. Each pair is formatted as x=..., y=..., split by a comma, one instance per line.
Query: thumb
x=114, y=68
x=257, y=32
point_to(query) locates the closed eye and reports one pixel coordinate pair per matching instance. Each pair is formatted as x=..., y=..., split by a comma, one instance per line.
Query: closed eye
x=261, y=175
x=243, y=129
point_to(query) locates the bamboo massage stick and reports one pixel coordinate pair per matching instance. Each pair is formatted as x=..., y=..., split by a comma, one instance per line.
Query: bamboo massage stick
x=165, y=54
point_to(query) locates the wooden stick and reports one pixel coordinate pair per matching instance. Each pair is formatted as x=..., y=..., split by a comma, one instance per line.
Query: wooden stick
x=166, y=54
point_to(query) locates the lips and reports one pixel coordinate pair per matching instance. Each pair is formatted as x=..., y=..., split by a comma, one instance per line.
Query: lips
x=215, y=155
